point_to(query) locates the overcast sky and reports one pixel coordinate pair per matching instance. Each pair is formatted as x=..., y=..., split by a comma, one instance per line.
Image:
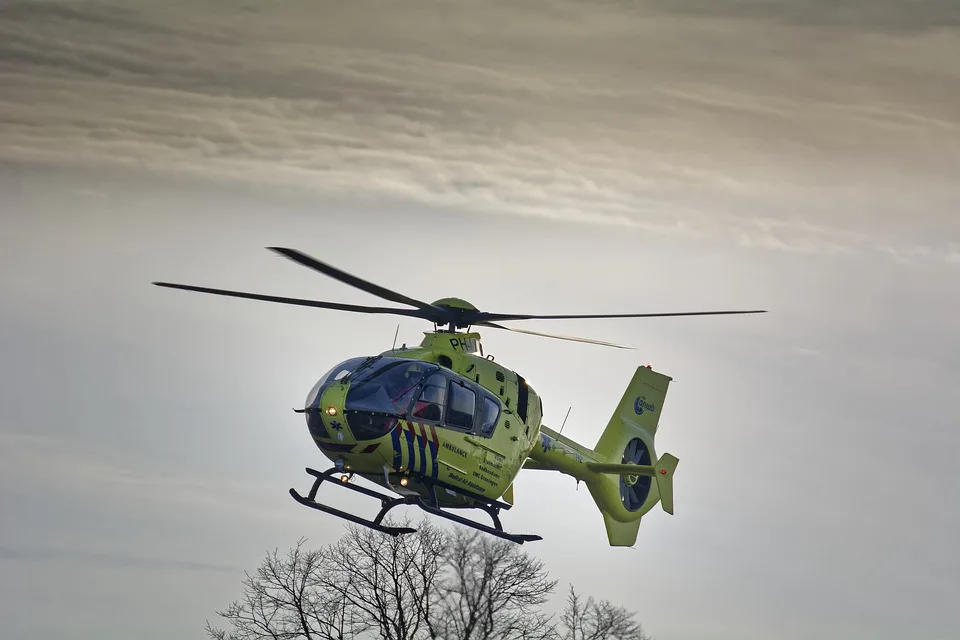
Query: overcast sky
x=541, y=157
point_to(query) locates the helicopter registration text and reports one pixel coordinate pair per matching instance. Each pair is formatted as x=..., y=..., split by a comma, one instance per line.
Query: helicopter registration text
x=465, y=344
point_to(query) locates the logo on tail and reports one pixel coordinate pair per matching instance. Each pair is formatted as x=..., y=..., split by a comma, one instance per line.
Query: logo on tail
x=640, y=405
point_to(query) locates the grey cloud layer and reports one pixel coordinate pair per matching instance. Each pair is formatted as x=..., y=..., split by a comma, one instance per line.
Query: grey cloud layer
x=876, y=15
x=109, y=559
x=757, y=127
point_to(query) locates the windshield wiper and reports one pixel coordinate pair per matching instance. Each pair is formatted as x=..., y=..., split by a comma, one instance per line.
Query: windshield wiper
x=363, y=365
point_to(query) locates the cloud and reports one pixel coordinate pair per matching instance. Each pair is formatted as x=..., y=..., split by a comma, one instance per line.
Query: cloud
x=876, y=15
x=113, y=559
x=749, y=126
x=44, y=462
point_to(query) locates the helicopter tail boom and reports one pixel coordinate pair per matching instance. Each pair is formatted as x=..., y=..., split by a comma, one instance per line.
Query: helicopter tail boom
x=623, y=473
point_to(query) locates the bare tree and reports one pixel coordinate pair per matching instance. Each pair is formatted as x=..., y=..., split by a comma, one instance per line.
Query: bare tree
x=389, y=582
x=598, y=620
x=283, y=600
x=492, y=590
x=430, y=585
x=367, y=584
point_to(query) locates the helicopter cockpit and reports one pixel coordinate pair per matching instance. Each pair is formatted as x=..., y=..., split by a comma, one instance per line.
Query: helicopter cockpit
x=398, y=388
x=380, y=395
x=383, y=390
x=312, y=404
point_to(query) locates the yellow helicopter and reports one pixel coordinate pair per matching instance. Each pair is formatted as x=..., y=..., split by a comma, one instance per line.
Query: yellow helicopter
x=443, y=426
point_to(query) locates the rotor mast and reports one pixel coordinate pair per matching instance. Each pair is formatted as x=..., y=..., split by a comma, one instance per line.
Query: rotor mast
x=457, y=308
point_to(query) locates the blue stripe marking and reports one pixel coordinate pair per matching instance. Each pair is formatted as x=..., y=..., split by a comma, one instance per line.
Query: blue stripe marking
x=412, y=461
x=397, y=453
x=423, y=453
x=433, y=451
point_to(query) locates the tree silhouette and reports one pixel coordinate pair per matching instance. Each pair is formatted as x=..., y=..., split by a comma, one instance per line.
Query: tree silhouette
x=491, y=589
x=598, y=620
x=461, y=585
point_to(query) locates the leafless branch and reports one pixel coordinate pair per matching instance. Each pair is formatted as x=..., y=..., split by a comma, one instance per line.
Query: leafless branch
x=598, y=620
x=433, y=584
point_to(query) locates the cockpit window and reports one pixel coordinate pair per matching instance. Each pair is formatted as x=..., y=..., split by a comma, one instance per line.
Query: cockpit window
x=336, y=373
x=462, y=404
x=491, y=412
x=343, y=369
x=388, y=388
x=429, y=406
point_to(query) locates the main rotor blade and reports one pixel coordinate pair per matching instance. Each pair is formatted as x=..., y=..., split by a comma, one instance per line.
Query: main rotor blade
x=485, y=316
x=416, y=313
x=554, y=335
x=299, y=257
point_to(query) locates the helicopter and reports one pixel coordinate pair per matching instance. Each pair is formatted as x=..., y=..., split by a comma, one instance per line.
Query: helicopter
x=444, y=427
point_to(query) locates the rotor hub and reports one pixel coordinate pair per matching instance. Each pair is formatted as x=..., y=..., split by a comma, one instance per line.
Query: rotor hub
x=461, y=312
x=454, y=303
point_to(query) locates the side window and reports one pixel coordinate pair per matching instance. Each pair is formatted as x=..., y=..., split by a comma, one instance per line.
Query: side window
x=429, y=406
x=490, y=414
x=462, y=404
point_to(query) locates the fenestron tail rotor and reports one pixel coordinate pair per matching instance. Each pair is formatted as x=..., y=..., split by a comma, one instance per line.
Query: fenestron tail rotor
x=440, y=312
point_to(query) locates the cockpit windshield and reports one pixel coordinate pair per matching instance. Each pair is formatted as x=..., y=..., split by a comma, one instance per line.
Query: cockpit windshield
x=387, y=387
x=336, y=373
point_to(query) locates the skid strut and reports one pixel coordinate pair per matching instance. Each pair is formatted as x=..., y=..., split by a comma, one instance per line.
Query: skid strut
x=386, y=501
x=490, y=507
x=492, y=510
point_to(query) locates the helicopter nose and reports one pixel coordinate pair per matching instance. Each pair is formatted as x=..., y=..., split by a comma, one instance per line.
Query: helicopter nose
x=315, y=423
x=321, y=417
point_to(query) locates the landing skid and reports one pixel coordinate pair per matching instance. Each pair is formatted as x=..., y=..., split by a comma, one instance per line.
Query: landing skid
x=387, y=502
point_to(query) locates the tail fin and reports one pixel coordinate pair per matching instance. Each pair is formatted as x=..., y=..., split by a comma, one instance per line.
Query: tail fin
x=620, y=470
x=638, y=412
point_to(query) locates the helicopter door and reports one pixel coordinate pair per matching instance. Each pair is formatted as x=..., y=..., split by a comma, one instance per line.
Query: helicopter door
x=523, y=397
x=457, y=405
x=461, y=407
x=489, y=415
x=432, y=401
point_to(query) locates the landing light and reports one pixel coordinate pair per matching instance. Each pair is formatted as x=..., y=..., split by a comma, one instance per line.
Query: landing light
x=344, y=478
x=331, y=411
x=403, y=482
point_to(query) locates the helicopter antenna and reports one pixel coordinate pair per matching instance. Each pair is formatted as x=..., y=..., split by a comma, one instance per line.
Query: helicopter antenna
x=565, y=420
x=396, y=333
